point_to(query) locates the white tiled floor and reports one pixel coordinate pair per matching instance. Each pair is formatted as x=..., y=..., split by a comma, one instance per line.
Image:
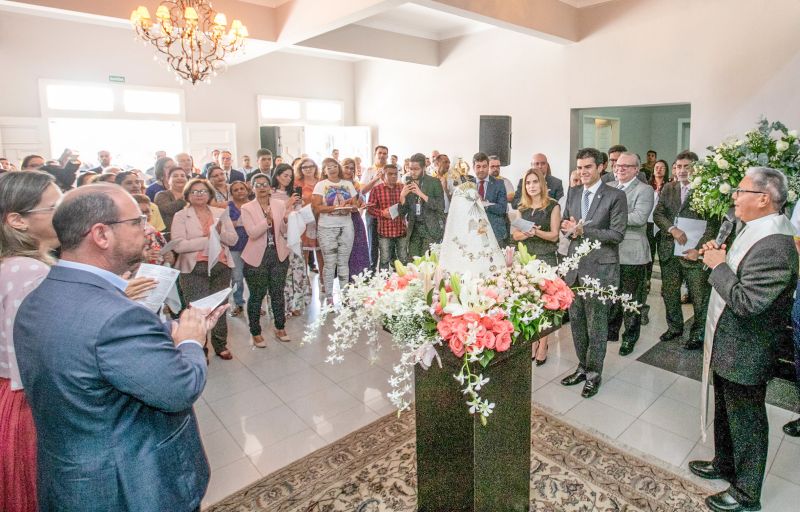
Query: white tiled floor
x=270, y=407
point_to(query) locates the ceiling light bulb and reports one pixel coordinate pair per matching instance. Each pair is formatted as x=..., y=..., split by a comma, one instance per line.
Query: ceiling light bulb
x=220, y=19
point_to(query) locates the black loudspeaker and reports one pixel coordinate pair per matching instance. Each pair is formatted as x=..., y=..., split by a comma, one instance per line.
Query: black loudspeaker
x=271, y=138
x=495, y=137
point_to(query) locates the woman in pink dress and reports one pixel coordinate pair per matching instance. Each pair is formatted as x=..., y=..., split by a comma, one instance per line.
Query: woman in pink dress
x=27, y=202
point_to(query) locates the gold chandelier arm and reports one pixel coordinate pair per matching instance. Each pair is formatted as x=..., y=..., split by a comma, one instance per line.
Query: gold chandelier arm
x=194, y=42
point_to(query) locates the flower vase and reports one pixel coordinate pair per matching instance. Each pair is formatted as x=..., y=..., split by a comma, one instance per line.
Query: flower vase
x=463, y=465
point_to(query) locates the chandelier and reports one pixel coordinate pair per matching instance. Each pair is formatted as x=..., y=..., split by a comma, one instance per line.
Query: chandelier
x=193, y=38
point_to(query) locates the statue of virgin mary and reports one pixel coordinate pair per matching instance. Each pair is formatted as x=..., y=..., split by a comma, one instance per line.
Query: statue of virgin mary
x=469, y=244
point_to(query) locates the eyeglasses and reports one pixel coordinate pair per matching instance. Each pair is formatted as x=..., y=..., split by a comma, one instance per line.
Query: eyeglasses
x=622, y=167
x=260, y=185
x=740, y=190
x=308, y=166
x=199, y=192
x=140, y=221
x=40, y=210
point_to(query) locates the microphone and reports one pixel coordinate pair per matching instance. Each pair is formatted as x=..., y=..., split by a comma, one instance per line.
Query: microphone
x=724, y=232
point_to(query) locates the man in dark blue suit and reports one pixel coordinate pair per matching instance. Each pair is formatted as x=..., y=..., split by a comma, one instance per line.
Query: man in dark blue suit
x=493, y=193
x=226, y=162
x=110, y=386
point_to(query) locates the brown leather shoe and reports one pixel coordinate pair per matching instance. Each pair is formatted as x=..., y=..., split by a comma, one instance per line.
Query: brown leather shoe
x=226, y=355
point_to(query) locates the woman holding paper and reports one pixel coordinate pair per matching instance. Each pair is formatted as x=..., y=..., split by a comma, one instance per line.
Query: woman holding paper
x=204, y=256
x=542, y=217
x=297, y=291
x=306, y=176
x=266, y=257
x=333, y=201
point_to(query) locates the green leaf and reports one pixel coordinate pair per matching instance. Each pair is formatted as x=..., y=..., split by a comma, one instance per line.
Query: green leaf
x=455, y=283
x=486, y=357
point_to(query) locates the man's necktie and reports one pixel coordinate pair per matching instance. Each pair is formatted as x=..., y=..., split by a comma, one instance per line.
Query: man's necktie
x=684, y=192
x=482, y=189
x=585, y=205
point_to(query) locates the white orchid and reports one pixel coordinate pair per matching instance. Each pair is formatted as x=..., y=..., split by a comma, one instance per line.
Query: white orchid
x=781, y=145
x=725, y=188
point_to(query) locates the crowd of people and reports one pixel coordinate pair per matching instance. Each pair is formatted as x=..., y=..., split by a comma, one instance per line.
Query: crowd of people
x=70, y=240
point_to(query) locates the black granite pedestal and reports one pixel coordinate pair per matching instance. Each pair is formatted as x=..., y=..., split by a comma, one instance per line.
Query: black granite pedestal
x=463, y=465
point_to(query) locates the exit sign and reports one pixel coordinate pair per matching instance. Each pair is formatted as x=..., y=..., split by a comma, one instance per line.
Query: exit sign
x=116, y=78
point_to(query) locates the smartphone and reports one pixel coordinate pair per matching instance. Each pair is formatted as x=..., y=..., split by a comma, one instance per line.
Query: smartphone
x=298, y=191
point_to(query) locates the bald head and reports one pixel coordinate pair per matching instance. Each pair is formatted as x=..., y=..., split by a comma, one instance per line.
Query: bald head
x=539, y=161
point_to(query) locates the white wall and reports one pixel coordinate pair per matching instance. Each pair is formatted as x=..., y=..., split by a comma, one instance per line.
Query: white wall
x=733, y=60
x=35, y=47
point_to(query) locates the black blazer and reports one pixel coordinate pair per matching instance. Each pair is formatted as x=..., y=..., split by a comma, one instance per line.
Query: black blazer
x=758, y=308
x=606, y=223
x=668, y=208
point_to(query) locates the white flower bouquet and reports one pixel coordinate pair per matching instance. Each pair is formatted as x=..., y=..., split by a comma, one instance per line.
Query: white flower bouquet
x=769, y=145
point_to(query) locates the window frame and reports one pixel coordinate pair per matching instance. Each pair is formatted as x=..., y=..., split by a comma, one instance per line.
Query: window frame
x=303, y=120
x=118, y=111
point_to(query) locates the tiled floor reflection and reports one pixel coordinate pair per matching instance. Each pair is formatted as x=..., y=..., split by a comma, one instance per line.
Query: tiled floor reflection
x=270, y=407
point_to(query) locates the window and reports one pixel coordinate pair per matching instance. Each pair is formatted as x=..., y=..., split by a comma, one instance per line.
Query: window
x=284, y=109
x=299, y=111
x=144, y=101
x=324, y=111
x=80, y=97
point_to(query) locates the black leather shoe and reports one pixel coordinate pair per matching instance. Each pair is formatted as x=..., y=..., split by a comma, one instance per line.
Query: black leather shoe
x=693, y=345
x=670, y=335
x=626, y=347
x=706, y=469
x=792, y=429
x=591, y=388
x=540, y=362
x=576, y=378
x=724, y=502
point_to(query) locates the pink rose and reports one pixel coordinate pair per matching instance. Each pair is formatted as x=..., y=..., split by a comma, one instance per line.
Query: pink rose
x=551, y=302
x=489, y=340
x=502, y=342
x=456, y=346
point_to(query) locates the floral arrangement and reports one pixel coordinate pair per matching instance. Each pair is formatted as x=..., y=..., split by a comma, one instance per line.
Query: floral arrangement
x=474, y=318
x=769, y=145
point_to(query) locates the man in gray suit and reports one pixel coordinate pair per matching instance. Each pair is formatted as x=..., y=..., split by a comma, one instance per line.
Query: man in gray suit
x=750, y=306
x=634, y=251
x=111, y=388
x=598, y=212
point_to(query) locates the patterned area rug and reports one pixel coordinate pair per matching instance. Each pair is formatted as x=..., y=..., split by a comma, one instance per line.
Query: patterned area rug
x=374, y=469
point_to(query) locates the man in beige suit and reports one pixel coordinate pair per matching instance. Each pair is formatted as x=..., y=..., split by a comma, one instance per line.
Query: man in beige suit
x=634, y=251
